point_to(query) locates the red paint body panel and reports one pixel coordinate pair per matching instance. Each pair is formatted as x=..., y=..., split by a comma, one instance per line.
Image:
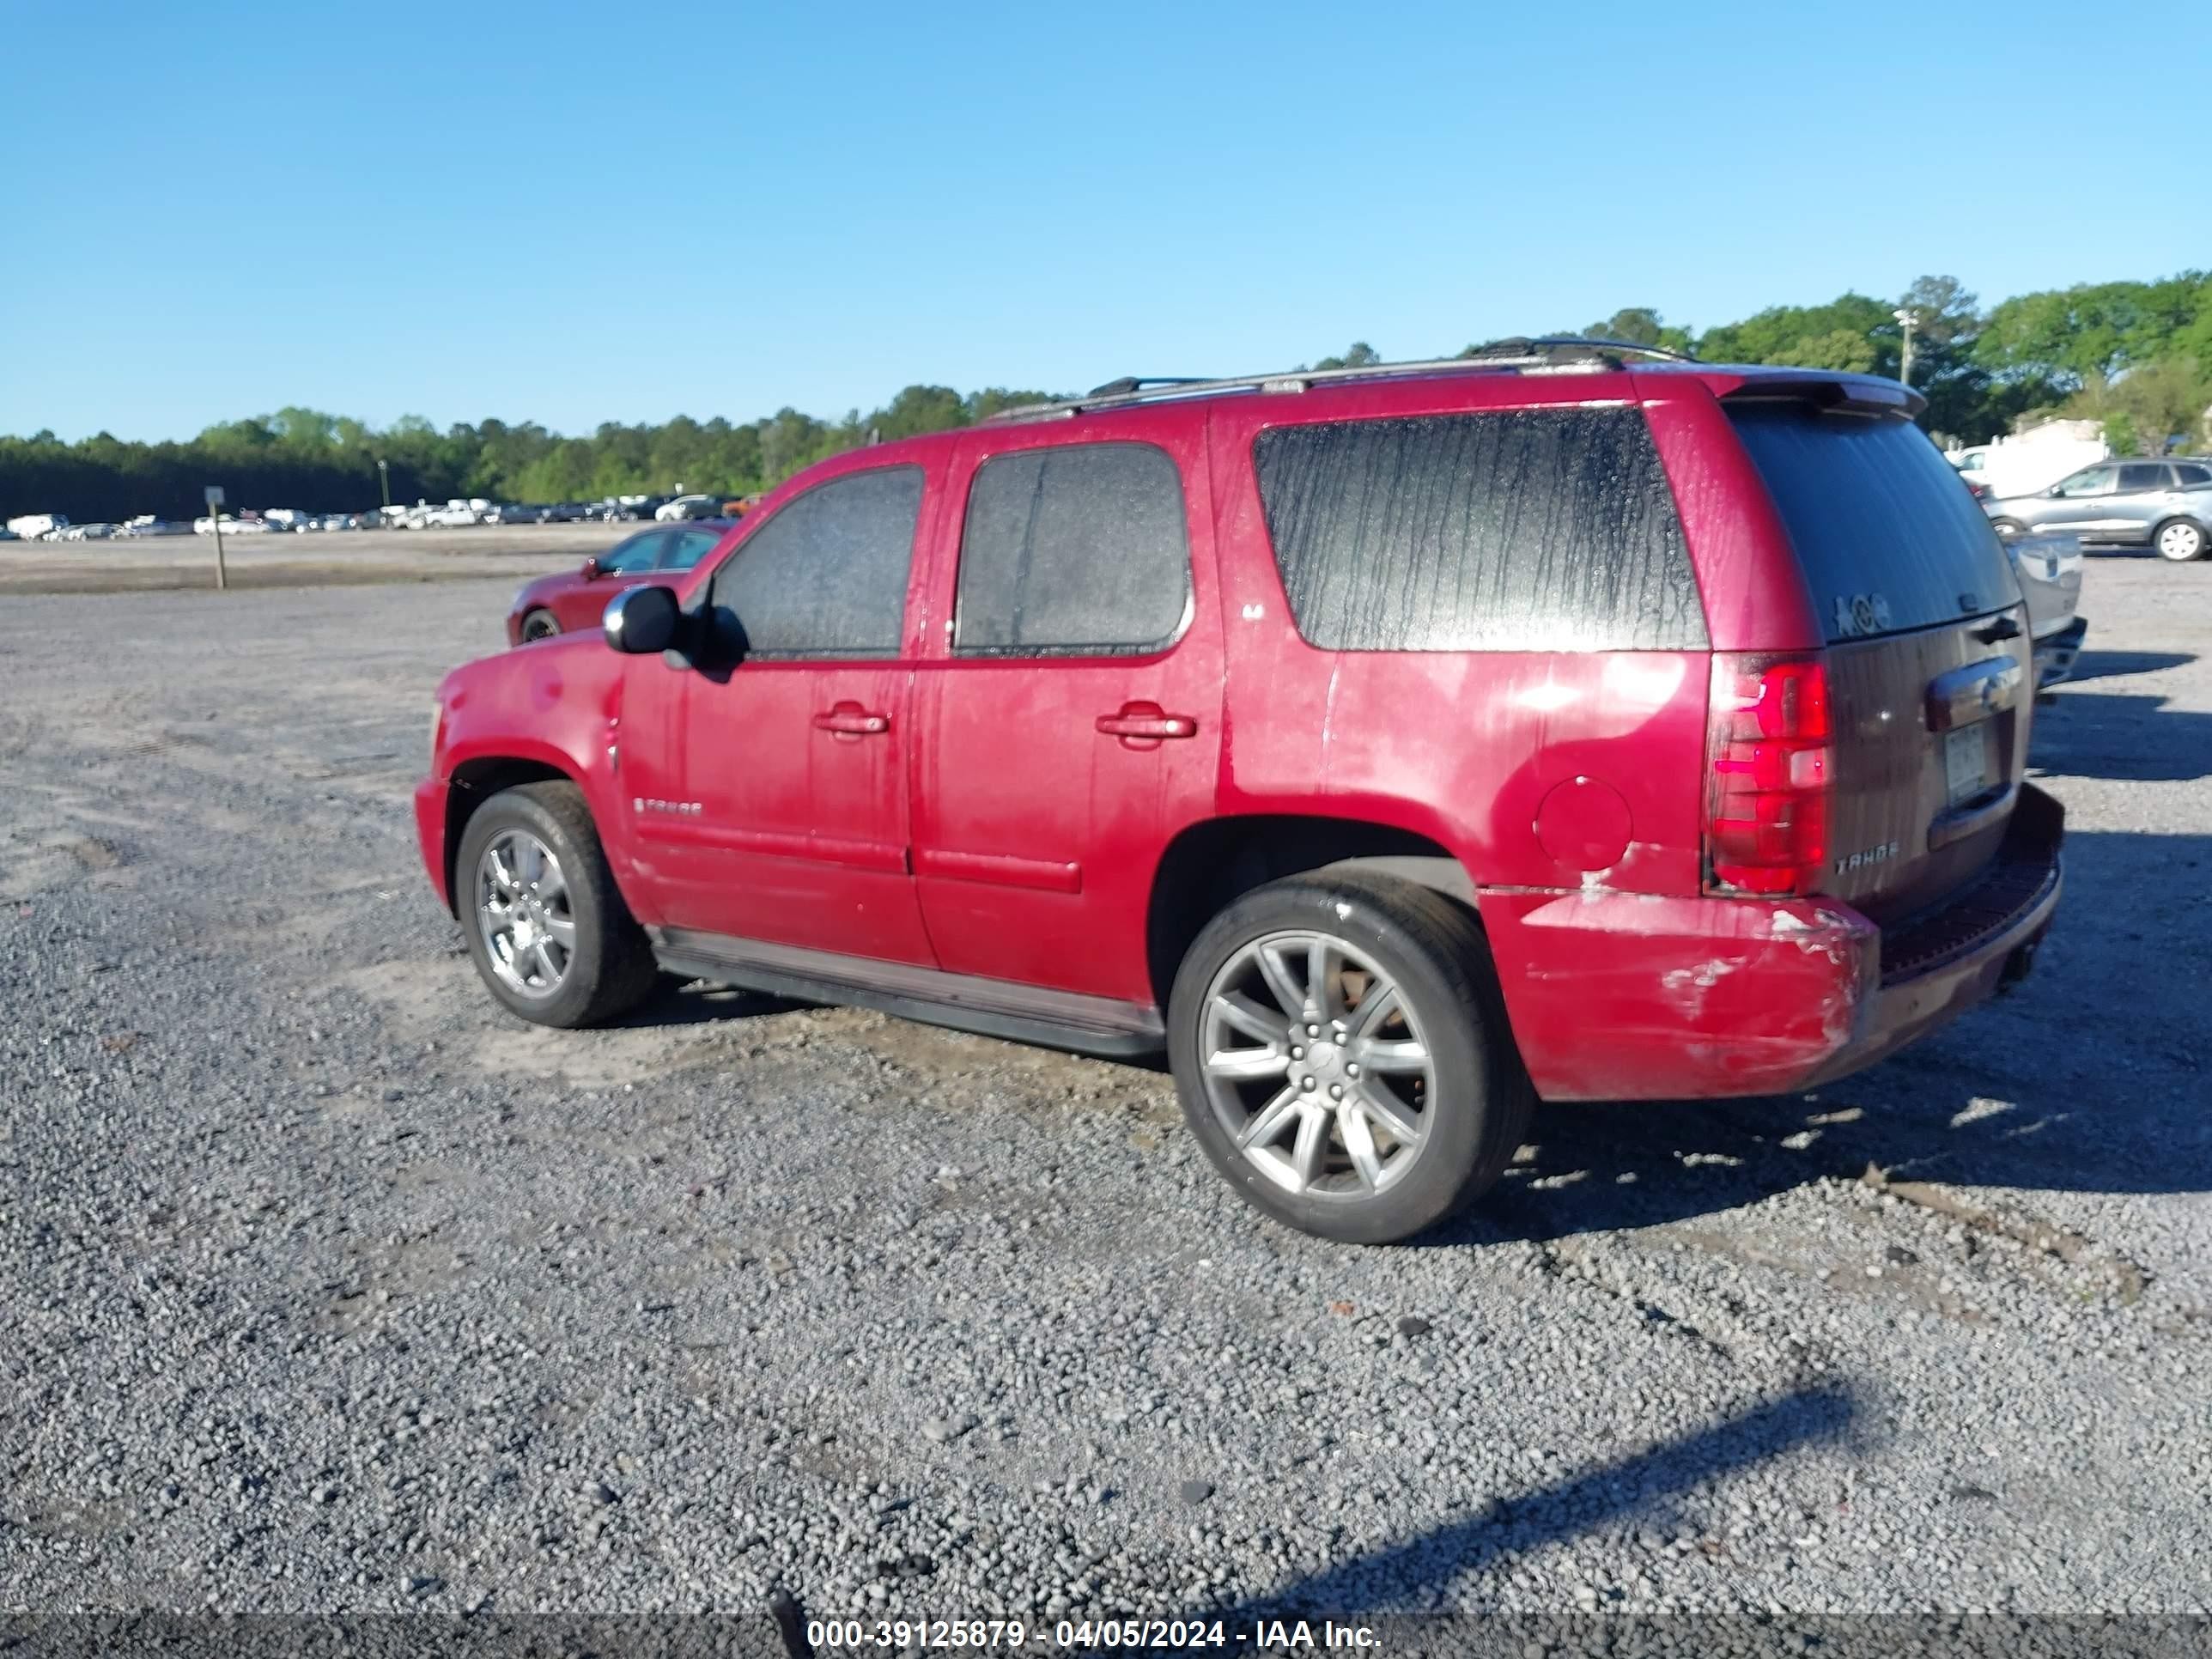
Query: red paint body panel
x=1015, y=782
x=971, y=814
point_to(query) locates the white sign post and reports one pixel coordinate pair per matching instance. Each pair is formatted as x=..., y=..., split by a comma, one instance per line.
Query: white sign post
x=214, y=520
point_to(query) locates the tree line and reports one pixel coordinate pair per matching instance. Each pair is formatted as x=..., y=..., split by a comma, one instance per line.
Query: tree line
x=2136, y=356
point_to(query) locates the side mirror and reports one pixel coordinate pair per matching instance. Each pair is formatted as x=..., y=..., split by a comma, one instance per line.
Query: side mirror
x=592, y=572
x=641, y=621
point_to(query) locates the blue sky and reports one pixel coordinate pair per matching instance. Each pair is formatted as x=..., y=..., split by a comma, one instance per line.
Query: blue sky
x=629, y=211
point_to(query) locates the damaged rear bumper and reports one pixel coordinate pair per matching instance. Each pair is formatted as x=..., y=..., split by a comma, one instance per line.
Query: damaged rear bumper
x=1628, y=996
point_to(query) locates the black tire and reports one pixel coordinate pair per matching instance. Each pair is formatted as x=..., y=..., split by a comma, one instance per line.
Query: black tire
x=2187, y=534
x=1433, y=951
x=611, y=968
x=539, y=624
x=2008, y=528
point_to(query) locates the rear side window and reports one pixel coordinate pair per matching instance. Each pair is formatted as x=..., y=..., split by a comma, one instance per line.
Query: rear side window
x=1886, y=537
x=827, y=575
x=2193, y=477
x=1079, y=548
x=2142, y=475
x=1529, y=530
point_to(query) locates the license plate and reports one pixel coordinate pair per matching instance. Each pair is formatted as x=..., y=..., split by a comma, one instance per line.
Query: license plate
x=1965, y=762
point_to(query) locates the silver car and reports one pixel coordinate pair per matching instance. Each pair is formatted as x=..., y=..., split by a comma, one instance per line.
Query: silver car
x=2049, y=571
x=2163, y=505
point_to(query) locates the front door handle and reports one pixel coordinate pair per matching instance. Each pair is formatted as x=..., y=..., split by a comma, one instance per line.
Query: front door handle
x=849, y=720
x=1145, y=723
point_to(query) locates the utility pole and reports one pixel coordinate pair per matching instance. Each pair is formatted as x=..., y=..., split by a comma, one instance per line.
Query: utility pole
x=214, y=493
x=384, y=481
x=1905, y=363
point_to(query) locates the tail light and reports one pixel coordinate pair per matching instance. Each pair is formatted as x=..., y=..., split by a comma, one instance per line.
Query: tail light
x=1766, y=794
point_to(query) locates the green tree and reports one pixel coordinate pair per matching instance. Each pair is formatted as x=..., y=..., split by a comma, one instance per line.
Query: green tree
x=1852, y=333
x=1641, y=325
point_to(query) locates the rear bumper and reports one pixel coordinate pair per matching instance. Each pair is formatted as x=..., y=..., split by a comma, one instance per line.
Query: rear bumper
x=2054, y=653
x=430, y=836
x=1625, y=996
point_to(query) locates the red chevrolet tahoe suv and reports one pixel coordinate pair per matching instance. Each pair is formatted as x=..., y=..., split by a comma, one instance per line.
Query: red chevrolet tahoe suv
x=1392, y=748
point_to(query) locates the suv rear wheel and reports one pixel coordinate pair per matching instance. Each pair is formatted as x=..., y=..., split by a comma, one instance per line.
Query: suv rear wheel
x=2179, y=540
x=546, y=926
x=1342, y=1055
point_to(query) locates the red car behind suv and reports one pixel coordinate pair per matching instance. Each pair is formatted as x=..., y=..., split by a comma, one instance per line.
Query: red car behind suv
x=564, y=603
x=1390, y=747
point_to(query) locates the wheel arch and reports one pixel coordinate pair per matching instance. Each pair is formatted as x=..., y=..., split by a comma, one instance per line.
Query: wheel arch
x=474, y=783
x=1211, y=863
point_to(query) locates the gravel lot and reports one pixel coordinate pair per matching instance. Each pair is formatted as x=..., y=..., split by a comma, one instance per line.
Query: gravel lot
x=281, y=559
x=326, y=1285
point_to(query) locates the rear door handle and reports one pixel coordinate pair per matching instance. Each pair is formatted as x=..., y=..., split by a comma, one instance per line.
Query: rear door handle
x=1146, y=722
x=849, y=720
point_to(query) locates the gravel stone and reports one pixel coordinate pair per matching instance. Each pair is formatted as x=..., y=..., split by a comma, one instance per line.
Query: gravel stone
x=337, y=1288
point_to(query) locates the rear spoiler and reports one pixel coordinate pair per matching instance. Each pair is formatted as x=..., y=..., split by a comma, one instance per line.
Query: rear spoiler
x=1837, y=394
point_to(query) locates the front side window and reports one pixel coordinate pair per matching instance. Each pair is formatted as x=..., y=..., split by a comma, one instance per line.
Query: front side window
x=1077, y=548
x=1525, y=529
x=827, y=575
x=687, y=546
x=638, y=553
x=2090, y=481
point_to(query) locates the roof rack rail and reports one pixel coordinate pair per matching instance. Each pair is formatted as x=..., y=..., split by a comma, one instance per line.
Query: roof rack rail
x=1519, y=344
x=1551, y=352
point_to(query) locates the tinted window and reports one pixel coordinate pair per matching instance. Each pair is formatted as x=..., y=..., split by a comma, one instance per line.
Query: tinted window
x=2193, y=477
x=1887, y=539
x=687, y=546
x=1079, y=547
x=638, y=553
x=1536, y=529
x=2142, y=475
x=828, y=573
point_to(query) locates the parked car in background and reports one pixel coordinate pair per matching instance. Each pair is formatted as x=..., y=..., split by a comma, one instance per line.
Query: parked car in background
x=455, y=514
x=689, y=506
x=2049, y=566
x=1601, y=732
x=2166, y=506
x=575, y=599
x=33, y=526
x=2031, y=461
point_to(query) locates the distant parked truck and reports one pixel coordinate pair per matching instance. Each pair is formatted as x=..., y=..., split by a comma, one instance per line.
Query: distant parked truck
x=2031, y=460
x=36, y=526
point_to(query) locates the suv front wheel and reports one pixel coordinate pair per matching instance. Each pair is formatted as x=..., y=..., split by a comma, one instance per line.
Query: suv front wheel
x=546, y=926
x=1342, y=1054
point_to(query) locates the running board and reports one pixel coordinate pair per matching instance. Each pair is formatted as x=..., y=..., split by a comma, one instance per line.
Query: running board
x=966, y=1002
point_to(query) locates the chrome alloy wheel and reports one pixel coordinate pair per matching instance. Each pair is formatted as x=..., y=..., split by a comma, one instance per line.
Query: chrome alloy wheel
x=522, y=911
x=1315, y=1067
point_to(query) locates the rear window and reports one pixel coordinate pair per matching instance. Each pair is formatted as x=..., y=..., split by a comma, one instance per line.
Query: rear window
x=1526, y=529
x=1887, y=539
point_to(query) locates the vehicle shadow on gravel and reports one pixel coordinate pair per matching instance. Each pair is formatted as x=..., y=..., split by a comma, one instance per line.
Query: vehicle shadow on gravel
x=2010, y=1094
x=1642, y=1483
x=2132, y=737
x=2102, y=664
